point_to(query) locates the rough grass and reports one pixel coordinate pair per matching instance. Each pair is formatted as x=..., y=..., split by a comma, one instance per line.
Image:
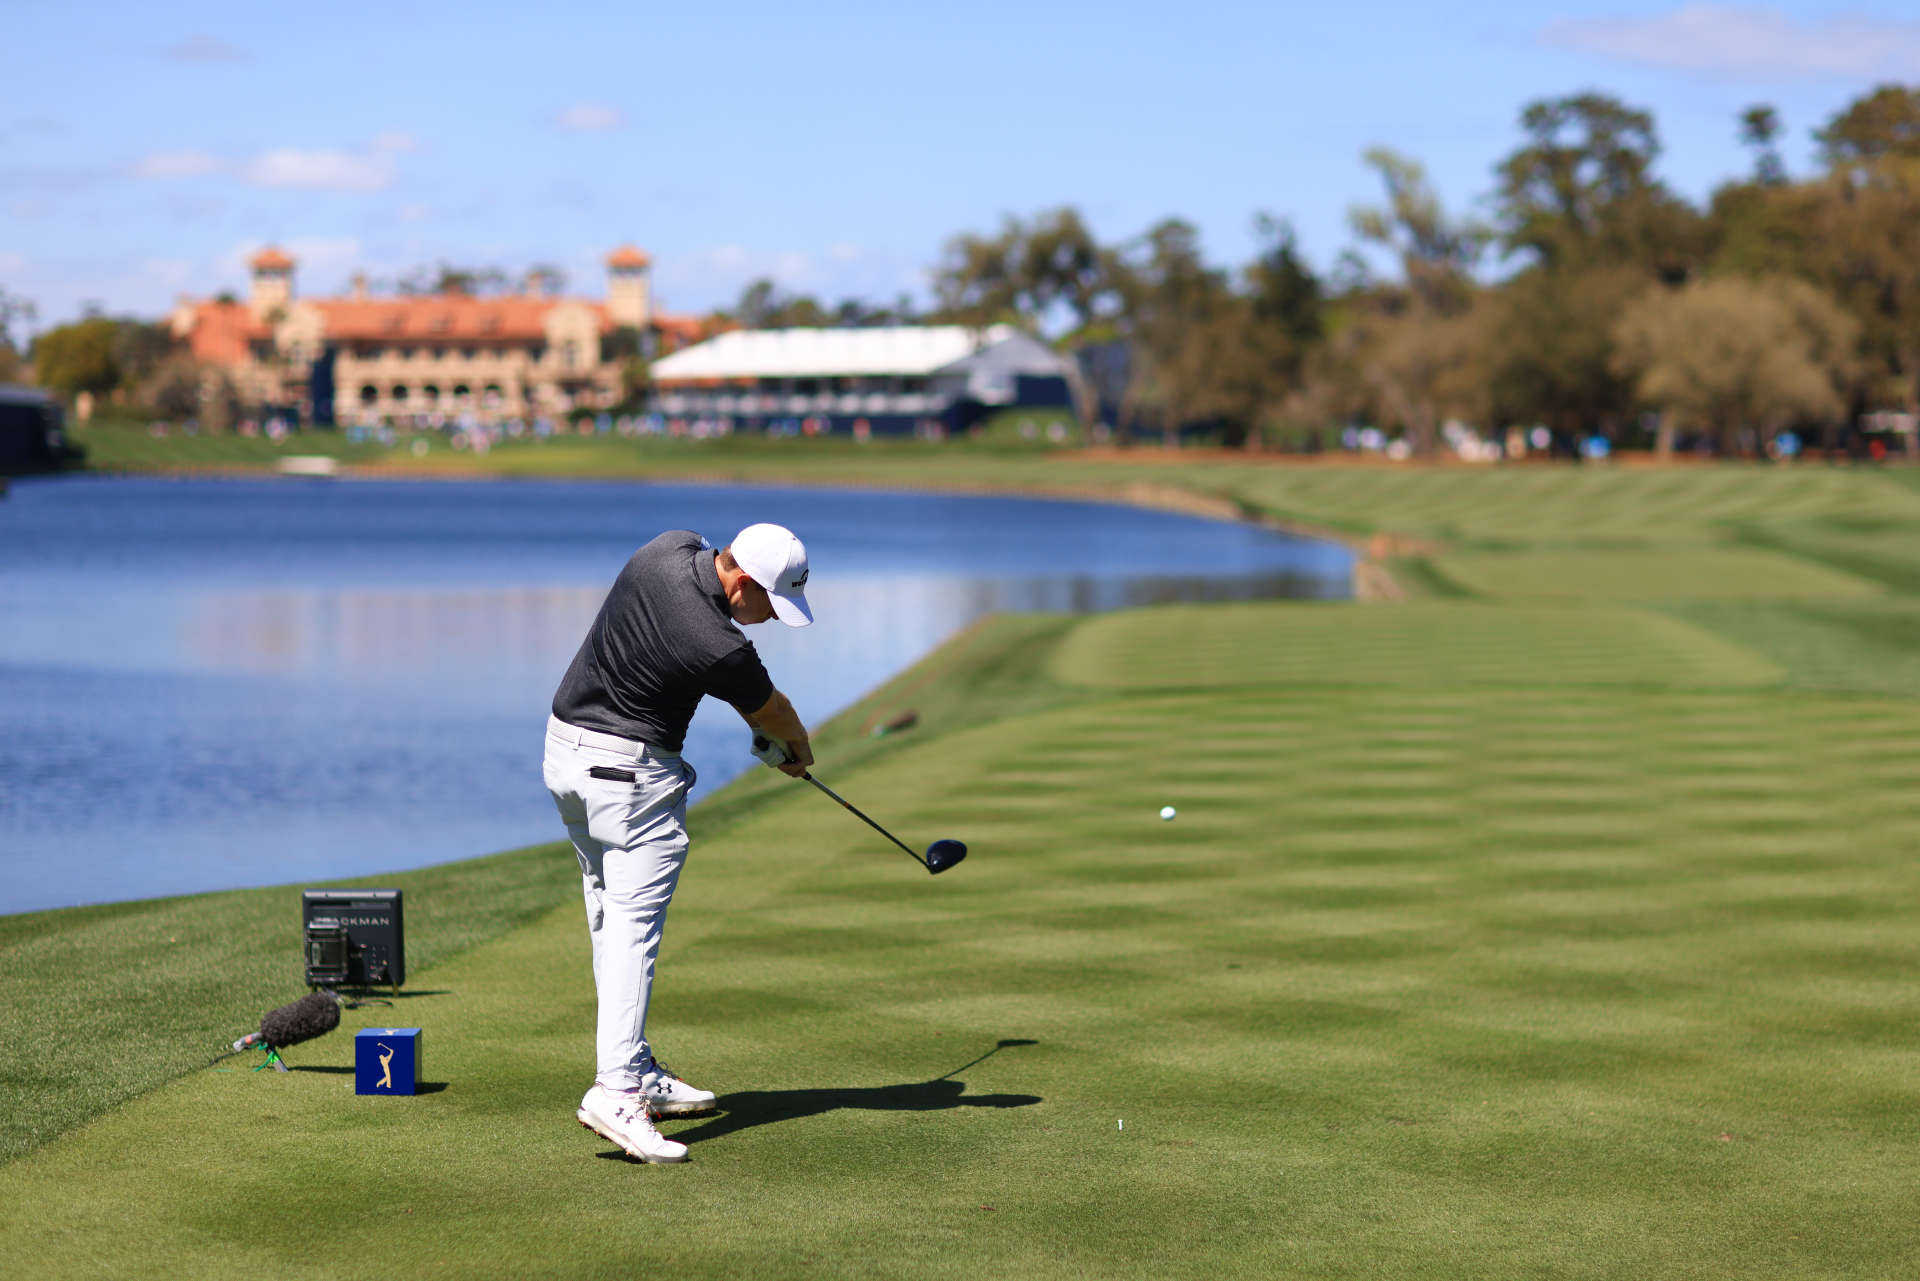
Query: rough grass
x=1491, y=940
x=104, y=1003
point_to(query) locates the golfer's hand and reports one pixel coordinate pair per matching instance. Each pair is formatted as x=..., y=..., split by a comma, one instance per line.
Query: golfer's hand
x=790, y=759
x=799, y=757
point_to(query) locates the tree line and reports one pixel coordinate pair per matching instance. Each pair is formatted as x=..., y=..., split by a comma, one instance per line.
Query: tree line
x=1592, y=300
x=1624, y=311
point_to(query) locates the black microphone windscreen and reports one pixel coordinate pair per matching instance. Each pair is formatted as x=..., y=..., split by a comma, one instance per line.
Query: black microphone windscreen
x=306, y=1018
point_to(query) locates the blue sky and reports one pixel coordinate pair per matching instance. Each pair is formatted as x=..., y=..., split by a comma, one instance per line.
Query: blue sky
x=146, y=149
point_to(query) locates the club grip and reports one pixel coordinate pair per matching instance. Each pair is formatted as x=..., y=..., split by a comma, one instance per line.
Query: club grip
x=771, y=751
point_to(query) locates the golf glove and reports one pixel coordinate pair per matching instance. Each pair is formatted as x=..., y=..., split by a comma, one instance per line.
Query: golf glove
x=771, y=751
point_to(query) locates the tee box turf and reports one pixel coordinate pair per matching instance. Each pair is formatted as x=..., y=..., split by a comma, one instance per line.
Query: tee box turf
x=386, y=1060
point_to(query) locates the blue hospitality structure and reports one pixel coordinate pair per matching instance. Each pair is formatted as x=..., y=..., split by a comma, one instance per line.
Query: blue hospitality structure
x=386, y=1060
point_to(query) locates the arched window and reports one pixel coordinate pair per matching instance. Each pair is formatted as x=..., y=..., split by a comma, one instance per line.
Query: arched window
x=399, y=393
x=369, y=393
x=431, y=393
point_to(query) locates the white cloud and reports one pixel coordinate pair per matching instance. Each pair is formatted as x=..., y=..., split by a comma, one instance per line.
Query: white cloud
x=1745, y=42
x=204, y=48
x=177, y=164
x=590, y=117
x=324, y=169
x=12, y=262
x=373, y=167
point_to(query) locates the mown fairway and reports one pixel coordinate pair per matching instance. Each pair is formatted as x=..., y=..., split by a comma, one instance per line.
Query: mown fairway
x=1561, y=923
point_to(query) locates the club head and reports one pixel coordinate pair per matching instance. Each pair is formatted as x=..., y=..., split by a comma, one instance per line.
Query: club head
x=942, y=855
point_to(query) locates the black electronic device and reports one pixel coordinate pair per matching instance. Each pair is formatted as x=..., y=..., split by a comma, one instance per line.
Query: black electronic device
x=353, y=938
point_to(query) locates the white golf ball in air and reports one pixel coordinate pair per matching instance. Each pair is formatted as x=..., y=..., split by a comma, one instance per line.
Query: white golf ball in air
x=1166, y=812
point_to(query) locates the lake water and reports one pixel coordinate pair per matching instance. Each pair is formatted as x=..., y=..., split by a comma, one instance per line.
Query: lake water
x=214, y=683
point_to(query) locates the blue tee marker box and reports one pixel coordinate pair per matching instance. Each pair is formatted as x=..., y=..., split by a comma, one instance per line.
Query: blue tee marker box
x=386, y=1060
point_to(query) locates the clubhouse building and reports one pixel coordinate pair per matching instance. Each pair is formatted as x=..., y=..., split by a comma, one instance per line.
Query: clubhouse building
x=897, y=380
x=437, y=357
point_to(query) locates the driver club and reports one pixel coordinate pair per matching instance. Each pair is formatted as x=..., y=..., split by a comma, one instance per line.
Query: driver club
x=941, y=855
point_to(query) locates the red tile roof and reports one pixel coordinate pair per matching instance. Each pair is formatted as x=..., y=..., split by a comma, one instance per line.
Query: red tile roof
x=221, y=332
x=270, y=259
x=443, y=317
x=627, y=256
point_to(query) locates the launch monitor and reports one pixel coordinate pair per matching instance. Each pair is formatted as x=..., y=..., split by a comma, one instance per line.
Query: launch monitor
x=353, y=938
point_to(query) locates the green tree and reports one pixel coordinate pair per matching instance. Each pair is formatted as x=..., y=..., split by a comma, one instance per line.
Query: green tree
x=1409, y=342
x=1423, y=368
x=1174, y=305
x=13, y=310
x=1041, y=274
x=78, y=357
x=1263, y=342
x=1062, y=266
x=636, y=382
x=756, y=304
x=974, y=282
x=1286, y=294
x=1760, y=228
x=1884, y=123
x=763, y=306
x=1581, y=190
x=447, y=278
x=1860, y=237
x=1436, y=252
x=1737, y=359
x=219, y=401
x=140, y=348
x=173, y=388
x=1546, y=343
x=1759, y=128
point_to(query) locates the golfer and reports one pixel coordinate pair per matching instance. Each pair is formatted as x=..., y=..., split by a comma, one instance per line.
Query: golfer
x=666, y=636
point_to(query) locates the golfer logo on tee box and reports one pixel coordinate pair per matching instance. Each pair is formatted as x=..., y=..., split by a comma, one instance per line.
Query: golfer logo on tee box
x=386, y=1060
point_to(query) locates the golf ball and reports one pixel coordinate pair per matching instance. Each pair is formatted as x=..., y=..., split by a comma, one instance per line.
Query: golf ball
x=1166, y=812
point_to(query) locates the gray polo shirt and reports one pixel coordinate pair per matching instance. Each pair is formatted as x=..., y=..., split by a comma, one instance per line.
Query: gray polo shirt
x=664, y=638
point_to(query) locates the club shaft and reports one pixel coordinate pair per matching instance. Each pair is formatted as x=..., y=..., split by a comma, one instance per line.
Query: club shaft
x=849, y=808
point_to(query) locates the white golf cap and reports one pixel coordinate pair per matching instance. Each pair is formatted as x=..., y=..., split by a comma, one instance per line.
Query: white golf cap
x=776, y=560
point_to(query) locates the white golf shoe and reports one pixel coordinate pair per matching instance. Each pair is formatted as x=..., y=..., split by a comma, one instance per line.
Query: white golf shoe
x=624, y=1119
x=670, y=1096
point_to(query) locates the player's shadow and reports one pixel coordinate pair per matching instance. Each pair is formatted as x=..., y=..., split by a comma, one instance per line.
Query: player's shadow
x=745, y=1109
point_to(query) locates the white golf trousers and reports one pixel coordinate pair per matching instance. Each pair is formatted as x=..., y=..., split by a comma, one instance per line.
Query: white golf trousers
x=631, y=838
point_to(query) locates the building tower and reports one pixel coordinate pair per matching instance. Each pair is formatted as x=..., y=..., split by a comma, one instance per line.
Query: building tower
x=627, y=302
x=272, y=283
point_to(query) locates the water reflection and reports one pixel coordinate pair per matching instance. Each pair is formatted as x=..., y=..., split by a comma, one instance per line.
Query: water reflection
x=213, y=684
x=383, y=633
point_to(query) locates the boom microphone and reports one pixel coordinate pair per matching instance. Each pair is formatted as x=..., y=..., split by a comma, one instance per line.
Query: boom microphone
x=314, y=1014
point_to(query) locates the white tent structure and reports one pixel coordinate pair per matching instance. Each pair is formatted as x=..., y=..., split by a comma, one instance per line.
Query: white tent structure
x=899, y=378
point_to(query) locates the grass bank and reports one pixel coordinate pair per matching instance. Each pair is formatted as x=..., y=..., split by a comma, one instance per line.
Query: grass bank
x=1554, y=921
